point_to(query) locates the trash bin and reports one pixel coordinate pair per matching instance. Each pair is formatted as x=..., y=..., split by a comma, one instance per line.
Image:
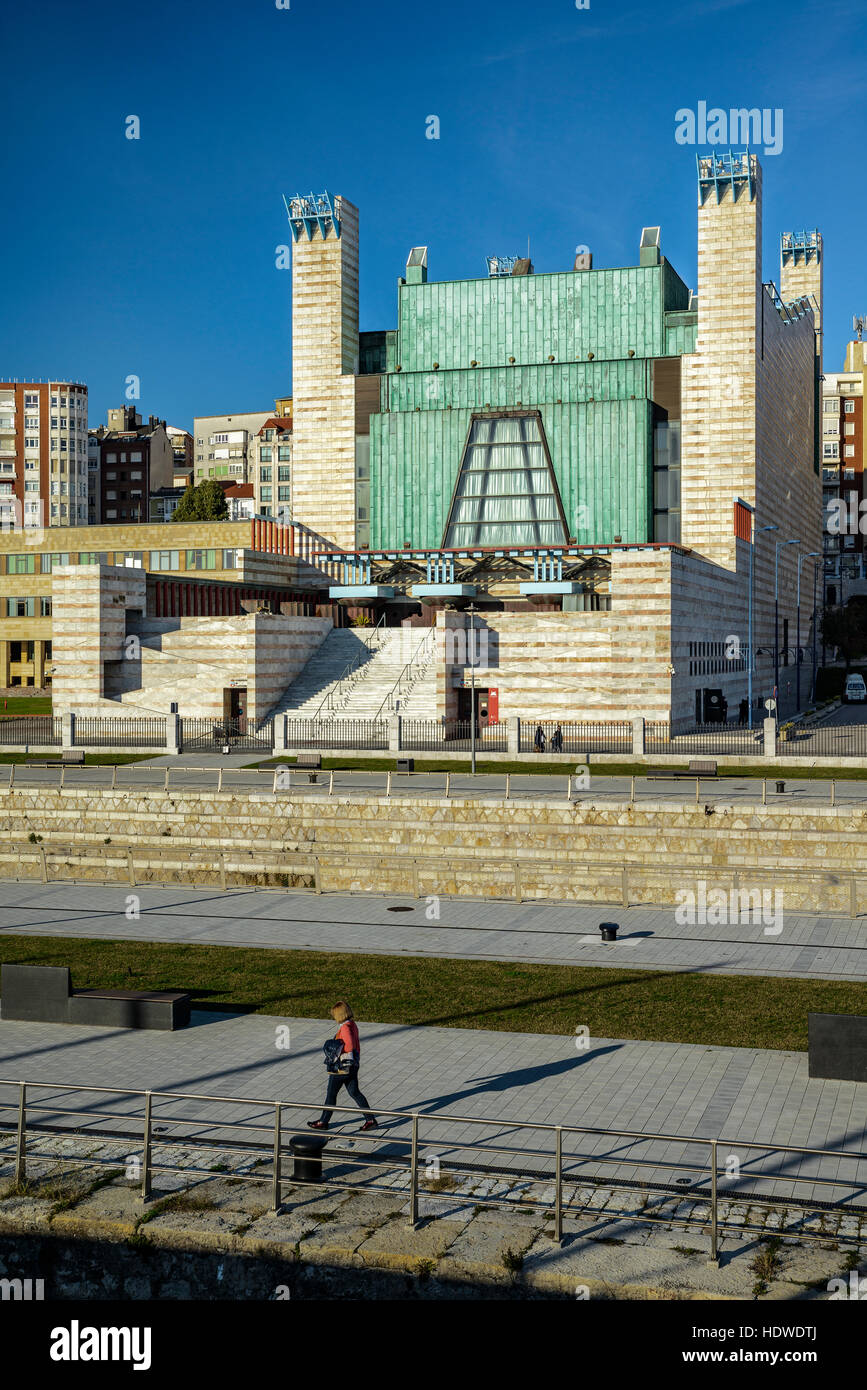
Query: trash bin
x=406, y=764
x=608, y=930
x=781, y=786
x=306, y=1149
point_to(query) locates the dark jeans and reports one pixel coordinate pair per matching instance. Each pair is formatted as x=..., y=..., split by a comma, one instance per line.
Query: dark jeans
x=349, y=1079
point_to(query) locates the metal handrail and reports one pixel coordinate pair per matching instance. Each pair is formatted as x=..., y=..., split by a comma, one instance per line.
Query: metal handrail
x=353, y=667
x=388, y=702
x=277, y=1131
x=292, y=862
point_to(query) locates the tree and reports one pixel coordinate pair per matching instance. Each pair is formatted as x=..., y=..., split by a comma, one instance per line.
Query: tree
x=207, y=502
x=846, y=629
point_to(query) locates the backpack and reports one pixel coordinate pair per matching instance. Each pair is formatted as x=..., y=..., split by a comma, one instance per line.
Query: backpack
x=333, y=1050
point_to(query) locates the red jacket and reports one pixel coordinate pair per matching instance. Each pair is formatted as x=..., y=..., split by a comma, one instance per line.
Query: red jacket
x=348, y=1035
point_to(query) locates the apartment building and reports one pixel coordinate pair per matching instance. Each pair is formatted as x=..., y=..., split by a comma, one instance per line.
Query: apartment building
x=222, y=445
x=270, y=468
x=136, y=459
x=43, y=454
x=842, y=444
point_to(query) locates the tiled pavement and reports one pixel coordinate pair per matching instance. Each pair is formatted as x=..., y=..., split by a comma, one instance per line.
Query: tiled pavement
x=567, y=933
x=451, y=1076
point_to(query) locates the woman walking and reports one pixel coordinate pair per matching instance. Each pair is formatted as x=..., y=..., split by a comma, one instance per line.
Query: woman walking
x=343, y=1063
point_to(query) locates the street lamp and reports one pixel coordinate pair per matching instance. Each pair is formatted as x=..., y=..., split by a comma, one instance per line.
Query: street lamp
x=472, y=610
x=779, y=547
x=754, y=533
x=811, y=555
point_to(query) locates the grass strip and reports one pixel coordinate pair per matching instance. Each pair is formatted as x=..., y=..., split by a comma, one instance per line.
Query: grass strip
x=665, y=1006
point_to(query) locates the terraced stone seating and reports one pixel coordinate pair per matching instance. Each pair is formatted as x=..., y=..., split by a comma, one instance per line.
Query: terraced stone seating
x=44, y=994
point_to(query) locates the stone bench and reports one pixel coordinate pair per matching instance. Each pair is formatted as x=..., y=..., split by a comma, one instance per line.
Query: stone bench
x=705, y=768
x=44, y=994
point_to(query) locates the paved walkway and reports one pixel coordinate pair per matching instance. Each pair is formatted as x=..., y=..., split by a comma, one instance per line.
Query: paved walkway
x=562, y=934
x=202, y=771
x=451, y=1076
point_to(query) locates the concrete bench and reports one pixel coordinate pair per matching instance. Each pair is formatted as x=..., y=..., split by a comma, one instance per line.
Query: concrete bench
x=705, y=768
x=44, y=994
x=311, y=763
x=70, y=757
x=837, y=1046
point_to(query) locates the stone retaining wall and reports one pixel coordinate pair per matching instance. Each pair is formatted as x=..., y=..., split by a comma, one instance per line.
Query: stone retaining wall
x=426, y=845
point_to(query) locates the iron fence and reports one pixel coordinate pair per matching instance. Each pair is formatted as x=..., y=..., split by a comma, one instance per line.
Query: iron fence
x=574, y=736
x=212, y=735
x=363, y=734
x=31, y=729
x=452, y=736
x=704, y=738
x=570, y=1160
x=826, y=741
x=143, y=731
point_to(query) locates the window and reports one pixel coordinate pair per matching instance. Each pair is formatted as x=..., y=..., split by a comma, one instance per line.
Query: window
x=31, y=443
x=21, y=564
x=230, y=559
x=111, y=477
x=31, y=402
x=201, y=559
x=831, y=405
x=265, y=494
x=849, y=429
x=111, y=458
x=849, y=407
x=284, y=494
x=831, y=451
x=135, y=458
x=849, y=451
x=284, y=453
x=282, y=475
x=136, y=473
x=506, y=494
x=45, y=608
x=264, y=475
x=20, y=607
x=265, y=453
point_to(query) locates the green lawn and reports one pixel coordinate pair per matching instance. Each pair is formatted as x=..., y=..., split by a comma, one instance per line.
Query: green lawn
x=716, y=1010
x=25, y=704
x=90, y=759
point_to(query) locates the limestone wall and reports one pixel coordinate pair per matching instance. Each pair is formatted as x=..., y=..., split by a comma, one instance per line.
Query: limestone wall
x=429, y=845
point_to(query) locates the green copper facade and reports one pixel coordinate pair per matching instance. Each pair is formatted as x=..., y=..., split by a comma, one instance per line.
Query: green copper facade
x=586, y=347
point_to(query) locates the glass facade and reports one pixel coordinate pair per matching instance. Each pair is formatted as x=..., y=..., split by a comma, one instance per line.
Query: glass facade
x=505, y=493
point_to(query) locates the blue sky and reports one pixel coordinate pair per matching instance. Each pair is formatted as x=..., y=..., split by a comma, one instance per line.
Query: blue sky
x=156, y=257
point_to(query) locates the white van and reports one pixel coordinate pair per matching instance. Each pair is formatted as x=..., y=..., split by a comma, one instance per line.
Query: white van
x=856, y=690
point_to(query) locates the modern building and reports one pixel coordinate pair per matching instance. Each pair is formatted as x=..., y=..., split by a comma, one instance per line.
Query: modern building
x=590, y=455
x=136, y=460
x=270, y=461
x=187, y=574
x=43, y=454
x=842, y=442
x=222, y=444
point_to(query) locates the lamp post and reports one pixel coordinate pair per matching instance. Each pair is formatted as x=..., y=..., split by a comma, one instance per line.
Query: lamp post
x=780, y=545
x=815, y=623
x=811, y=555
x=750, y=619
x=472, y=610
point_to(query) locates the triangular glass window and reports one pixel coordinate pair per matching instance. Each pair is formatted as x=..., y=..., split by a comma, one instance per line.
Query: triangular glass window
x=506, y=492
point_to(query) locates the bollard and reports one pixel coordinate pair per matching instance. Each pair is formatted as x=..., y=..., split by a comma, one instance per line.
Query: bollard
x=167, y=778
x=331, y=783
x=833, y=791
x=114, y=777
x=608, y=930
x=696, y=790
x=448, y=782
x=631, y=790
x=764, y=792
x=569, y=789
x=388, y=784
x=508, y=785
x=307, y=1153
x=220, y=780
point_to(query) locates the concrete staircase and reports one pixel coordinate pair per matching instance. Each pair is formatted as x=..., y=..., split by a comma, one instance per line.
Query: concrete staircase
x=324, y=690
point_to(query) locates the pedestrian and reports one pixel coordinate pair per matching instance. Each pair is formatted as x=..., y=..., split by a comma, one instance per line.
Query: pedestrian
x=557, y=740
x=743, y=711
x=539, y=740
x=342, y=1063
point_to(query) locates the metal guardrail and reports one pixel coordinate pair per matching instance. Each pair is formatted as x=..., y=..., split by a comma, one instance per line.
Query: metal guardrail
x=512, y=870
x=418, y=663
x=563, y=1164
x=339, y=692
